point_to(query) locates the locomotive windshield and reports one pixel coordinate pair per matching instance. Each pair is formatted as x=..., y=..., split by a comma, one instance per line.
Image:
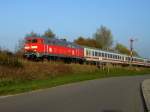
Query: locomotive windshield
x=31, y=41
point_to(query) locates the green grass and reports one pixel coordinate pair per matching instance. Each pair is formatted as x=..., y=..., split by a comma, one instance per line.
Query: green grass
x=19, y=86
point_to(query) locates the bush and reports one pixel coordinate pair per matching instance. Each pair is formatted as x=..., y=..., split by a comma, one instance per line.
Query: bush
x=9, y=60
x=12, y=69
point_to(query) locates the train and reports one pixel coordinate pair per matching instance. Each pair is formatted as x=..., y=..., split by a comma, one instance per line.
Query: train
x=41, y=48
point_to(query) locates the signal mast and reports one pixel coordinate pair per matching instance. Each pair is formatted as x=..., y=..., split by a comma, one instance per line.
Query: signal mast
x=132, y=40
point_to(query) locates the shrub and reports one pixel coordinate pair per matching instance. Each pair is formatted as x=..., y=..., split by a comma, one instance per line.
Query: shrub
x=9, y=60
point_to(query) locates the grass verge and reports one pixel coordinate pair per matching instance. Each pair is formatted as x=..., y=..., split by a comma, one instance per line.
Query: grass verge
x=17, y=85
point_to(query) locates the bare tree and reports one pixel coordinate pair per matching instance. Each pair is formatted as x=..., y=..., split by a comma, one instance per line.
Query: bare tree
x=104, y=38
x=49, y=33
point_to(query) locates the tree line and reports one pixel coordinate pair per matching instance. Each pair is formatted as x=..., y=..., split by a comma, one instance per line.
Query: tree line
x=101, y=39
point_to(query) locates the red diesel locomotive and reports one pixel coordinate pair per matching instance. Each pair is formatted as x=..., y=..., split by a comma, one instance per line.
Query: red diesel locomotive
x=52, y=49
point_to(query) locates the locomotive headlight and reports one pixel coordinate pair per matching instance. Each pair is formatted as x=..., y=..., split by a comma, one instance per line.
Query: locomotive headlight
x=34, y=47
x=26, y=47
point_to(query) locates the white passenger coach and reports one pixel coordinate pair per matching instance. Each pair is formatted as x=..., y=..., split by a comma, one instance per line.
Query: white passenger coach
x=96, y=55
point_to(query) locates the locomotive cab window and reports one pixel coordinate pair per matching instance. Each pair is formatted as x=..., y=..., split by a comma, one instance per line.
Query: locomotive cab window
x=34, y=41
x=28, y=41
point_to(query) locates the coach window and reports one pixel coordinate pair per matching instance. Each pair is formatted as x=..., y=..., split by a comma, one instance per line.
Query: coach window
x=90, y=53
x=117, y=57
x=100, y=54
x=113, y=56
x=123, y=58
x=105, y=55
x=87, y=52
x=120, y=57
x=93, y=53
x=110, y=55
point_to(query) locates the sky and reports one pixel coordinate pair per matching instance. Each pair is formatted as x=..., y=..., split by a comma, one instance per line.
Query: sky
x=73, y=18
